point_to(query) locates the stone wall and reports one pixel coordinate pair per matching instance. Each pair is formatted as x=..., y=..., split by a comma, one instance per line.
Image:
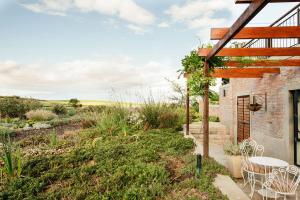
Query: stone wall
x=214, y=110
x=272, y=125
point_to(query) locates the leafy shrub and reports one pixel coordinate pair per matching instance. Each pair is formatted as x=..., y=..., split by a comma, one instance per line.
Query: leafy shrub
x=16, y=106
x=71, y=112
x=214, y=119
x=98, y=109
x=40, y=115
x=75, y=103
x=232, y=149
x=114, y=120
x=211, y=118
x=59, y=109
x=161, y=115
x=150, y=112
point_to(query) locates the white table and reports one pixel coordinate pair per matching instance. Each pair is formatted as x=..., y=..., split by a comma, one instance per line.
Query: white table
x=268, y=162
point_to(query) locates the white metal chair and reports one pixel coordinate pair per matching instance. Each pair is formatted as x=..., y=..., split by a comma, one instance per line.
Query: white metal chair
x=251, y=173
x=282, y=182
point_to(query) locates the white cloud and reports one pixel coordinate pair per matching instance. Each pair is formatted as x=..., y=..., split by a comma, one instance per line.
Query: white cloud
x=163, y=25
x=203, y=14
x=83, y=78
x=137, y=29
x=126, y=10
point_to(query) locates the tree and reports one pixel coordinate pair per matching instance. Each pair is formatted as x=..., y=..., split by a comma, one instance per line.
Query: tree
x=179, y=92
x=74, y=103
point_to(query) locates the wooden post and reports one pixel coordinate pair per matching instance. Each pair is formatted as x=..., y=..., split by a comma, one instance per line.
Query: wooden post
x=205, y=121
x=187, y=109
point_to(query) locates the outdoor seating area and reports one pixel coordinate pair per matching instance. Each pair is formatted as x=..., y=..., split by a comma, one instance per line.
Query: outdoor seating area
x=267, y=176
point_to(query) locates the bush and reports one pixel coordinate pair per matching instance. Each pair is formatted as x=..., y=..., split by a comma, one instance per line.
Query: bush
x=232, y=149
x=59, y=109
x=98, y=109
x=40, y=115
x=16, y=106
x=72, y=112
x=114, y=120
x=211, y=118
x=214, y=119
x=161, y=115
x=150, y=112
x=74, y=103
x=168, y=120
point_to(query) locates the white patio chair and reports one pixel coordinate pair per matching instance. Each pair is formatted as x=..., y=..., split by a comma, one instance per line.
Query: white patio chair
x=282, y=182
x=249, y=148
x=251, y=173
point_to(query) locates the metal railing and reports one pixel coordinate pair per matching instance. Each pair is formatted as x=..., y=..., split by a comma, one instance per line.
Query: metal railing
x=291, y=18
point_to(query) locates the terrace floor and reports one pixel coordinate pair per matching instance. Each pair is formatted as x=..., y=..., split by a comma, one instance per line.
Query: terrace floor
x=216, y=152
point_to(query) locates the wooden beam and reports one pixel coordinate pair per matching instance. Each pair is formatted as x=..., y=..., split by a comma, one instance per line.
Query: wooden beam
x=205, y=113
x=272, y=1
x=292, y=51
x=255, y=7
x=258, y=32
x=266, y=63
x=244, y=72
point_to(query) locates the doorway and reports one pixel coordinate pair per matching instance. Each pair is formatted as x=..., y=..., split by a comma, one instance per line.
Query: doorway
x=243, y=118
x=296, y=119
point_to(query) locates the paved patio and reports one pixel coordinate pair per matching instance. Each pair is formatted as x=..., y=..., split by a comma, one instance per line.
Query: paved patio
x=216, y=152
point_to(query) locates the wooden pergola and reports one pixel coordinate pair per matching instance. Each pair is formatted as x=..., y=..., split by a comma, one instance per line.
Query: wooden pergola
x=255, y=69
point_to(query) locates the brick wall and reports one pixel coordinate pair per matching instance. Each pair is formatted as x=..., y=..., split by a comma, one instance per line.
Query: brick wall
x=271, y=125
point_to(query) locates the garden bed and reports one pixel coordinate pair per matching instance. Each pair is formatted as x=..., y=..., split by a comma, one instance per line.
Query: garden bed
x=155, y=164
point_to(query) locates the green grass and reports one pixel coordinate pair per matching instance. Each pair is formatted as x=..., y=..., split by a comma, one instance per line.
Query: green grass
x=88, y=103
x=156, y=164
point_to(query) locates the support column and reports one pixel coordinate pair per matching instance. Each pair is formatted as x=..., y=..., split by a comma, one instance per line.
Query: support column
x=187, y=109
x=205, y=119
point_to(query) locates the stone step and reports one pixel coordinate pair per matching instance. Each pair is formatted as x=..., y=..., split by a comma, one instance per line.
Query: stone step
x=215, y=139
x=229, y=188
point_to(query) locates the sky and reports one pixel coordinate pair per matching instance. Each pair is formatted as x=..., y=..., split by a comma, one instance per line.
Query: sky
x=106, y=49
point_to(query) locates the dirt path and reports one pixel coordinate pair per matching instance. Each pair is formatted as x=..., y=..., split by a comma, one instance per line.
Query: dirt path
x=59, y=130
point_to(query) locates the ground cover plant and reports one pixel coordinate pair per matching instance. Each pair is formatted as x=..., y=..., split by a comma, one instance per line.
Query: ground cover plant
x=114, y=158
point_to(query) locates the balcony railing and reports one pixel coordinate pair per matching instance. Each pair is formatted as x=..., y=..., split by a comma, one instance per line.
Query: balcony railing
x=291, y=18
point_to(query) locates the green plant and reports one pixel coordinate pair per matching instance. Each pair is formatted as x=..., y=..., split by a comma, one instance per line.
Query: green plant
x=114, y=120
x=53, y=138
x=74, y=103
x=16, y=106
x=59, y=109
x=12, y=160
x=5, y=134
x=40, y=115
x=214, y=119
x=232, y=149
x=193, y=65
x=71, y=112
x=150, y=111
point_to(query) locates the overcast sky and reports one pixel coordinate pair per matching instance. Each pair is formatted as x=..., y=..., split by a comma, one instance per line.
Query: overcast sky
x=96, y=49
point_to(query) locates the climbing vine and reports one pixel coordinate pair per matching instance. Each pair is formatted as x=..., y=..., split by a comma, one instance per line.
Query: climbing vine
x=193, y=66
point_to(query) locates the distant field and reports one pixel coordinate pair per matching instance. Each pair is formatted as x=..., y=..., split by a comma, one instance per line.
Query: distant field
x=88, y=102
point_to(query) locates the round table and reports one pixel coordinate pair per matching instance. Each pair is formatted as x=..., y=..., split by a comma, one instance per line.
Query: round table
x=268, y=161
